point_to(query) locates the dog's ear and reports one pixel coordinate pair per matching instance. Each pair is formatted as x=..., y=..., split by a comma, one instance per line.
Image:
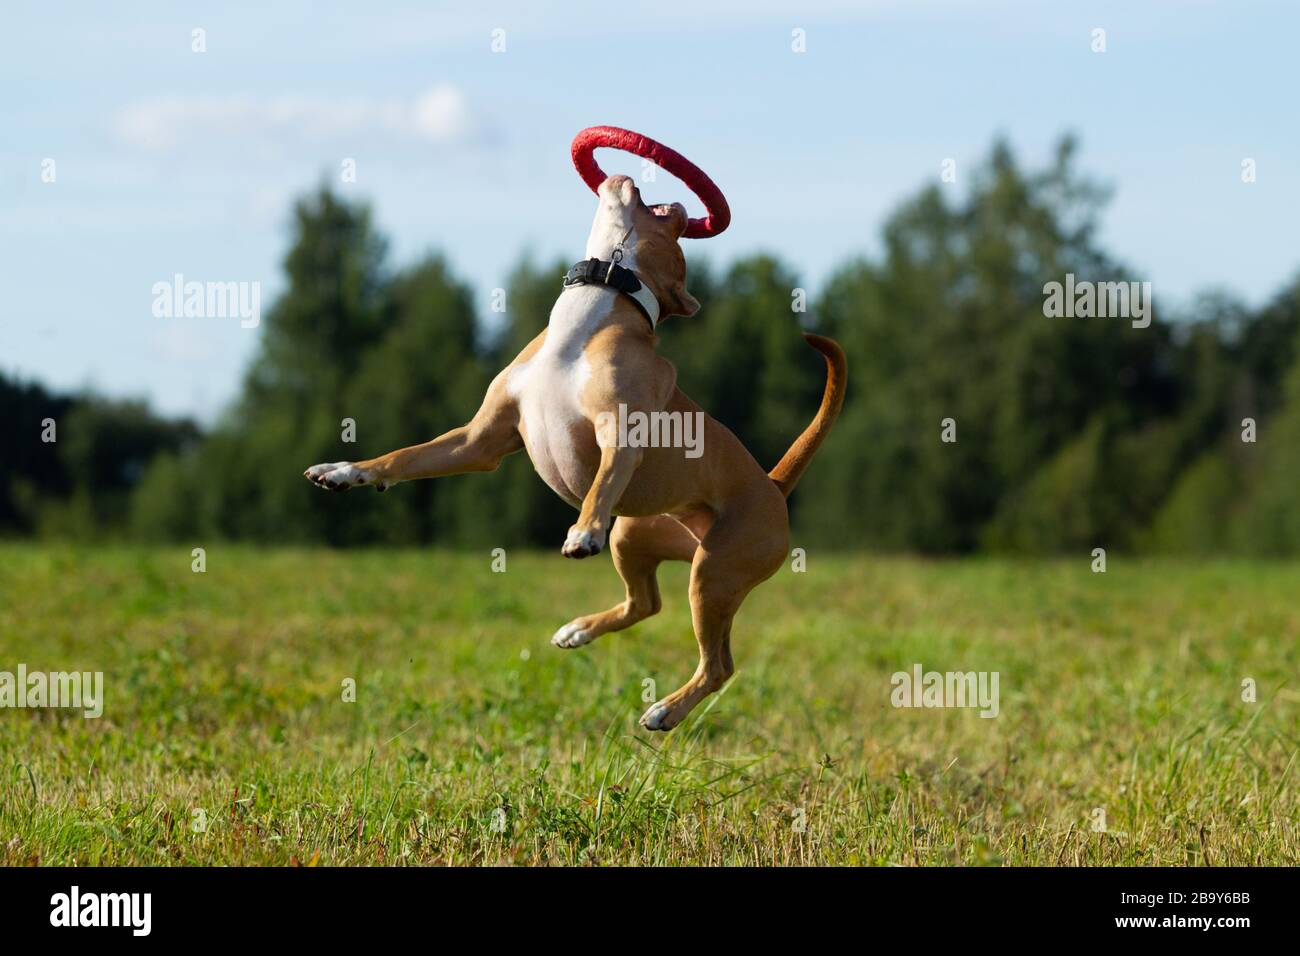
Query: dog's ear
x=683, y=302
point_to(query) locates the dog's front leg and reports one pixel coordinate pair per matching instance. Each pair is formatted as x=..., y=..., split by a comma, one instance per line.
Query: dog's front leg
x=617, y=465
x=478, y=446
x=634, y=385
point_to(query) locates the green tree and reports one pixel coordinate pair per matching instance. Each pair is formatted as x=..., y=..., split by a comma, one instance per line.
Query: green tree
x=950, y=325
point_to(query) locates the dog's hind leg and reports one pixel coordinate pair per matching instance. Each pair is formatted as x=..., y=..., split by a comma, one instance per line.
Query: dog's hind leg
x=638, y=546
x=743, y=548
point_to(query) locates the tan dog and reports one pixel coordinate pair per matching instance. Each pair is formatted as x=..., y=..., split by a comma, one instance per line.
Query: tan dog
x=593, y=366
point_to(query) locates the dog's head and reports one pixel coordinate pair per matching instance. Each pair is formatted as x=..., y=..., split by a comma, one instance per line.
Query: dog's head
x=650, y=248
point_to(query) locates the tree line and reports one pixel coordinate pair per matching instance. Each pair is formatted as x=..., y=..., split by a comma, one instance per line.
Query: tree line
x=974, y=420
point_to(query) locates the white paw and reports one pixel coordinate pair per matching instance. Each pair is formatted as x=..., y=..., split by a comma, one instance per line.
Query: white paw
x=572, y=635
x=340, y=476
x=658, y=717
x=582, y=544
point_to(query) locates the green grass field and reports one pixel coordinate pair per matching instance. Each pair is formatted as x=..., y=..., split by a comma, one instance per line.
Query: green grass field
x=473, y=741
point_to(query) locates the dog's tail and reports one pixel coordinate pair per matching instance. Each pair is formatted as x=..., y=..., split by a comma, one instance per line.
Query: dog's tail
x=789, y=468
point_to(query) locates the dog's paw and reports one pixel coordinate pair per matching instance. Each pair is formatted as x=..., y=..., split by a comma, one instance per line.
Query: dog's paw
x=340, y=476
x=572, y=635
x=660, y=716
x=582, y=544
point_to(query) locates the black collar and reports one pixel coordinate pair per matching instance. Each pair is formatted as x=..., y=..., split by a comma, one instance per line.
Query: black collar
x=601, y=272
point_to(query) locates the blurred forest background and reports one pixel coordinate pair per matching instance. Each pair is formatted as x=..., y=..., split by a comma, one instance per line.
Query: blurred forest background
x=1072, y=433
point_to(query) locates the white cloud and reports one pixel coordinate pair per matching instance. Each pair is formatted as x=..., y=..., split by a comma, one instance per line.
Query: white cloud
x=440, y=115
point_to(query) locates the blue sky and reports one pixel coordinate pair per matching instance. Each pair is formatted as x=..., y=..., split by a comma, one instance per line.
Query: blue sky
x=169, y=161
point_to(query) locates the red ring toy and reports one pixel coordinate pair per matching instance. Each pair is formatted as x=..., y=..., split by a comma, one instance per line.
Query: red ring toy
x=595, y=137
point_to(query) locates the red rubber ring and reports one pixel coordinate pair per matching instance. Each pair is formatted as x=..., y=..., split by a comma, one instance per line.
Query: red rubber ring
x=595, y=137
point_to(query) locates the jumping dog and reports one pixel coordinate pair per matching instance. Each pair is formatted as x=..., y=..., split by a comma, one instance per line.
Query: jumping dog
x=718, y=510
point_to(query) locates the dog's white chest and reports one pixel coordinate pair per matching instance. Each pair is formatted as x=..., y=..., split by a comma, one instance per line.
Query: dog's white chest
x=548, y=388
